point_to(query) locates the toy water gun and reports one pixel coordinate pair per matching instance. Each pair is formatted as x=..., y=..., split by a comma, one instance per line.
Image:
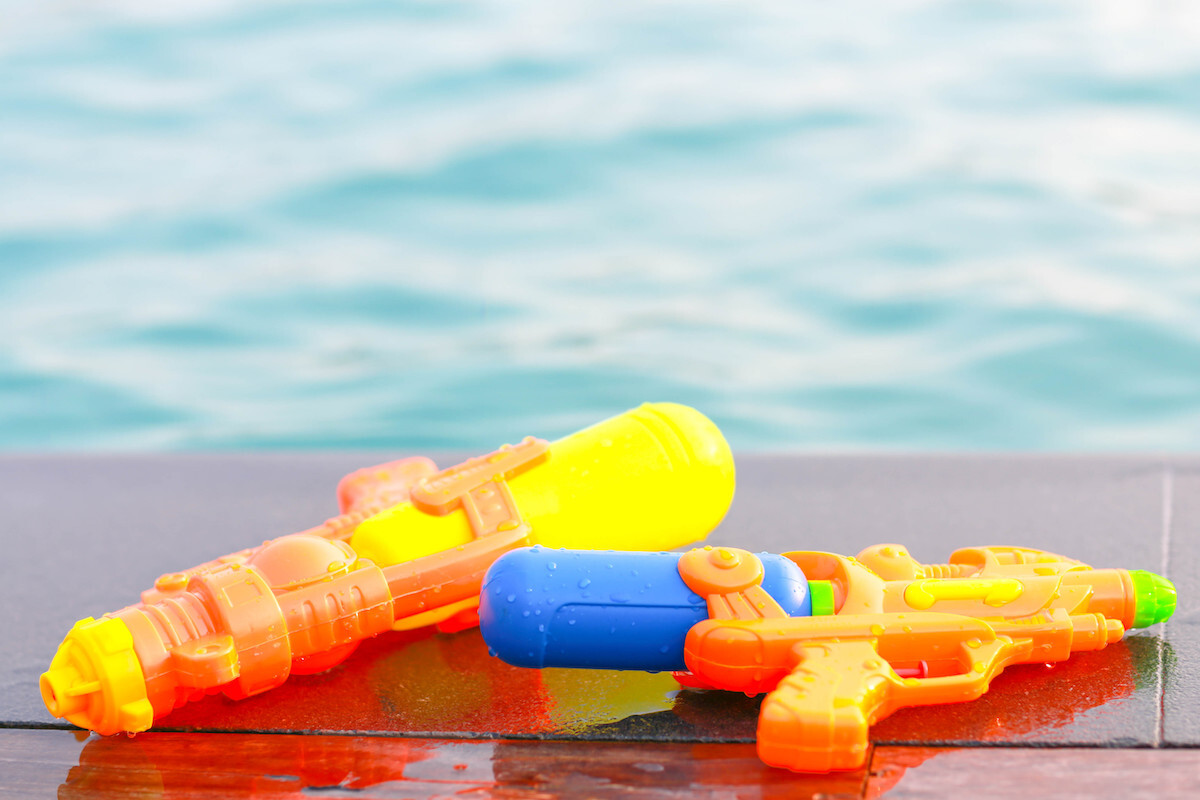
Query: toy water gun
x=837, y=643
x=410, y=549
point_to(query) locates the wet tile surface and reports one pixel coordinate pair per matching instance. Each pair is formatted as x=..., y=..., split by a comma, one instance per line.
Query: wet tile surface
x=1106, y=698
x=1181, y=699
x=87, y=534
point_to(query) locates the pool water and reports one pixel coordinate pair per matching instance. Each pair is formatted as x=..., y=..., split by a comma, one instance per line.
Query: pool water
x=418, y=226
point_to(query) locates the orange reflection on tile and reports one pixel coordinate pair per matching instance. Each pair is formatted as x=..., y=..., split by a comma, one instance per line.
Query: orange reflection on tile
x=1033, y=701
x=175, y=766
x=182, y=765
x=413, y=682
x=426, y=682
x=1105, y=697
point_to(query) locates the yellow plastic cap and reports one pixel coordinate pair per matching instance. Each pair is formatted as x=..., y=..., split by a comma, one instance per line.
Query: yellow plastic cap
x=702, y=448
x=95, y=680
x=653, y=478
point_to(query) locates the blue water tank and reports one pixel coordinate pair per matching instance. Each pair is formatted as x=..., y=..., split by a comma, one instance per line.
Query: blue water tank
x=604, y=609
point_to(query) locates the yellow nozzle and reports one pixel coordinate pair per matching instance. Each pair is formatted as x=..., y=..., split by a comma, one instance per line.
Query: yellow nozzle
x=95, y=680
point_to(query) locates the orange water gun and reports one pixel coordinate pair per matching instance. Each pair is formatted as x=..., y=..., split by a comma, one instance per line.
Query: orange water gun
x=409, y=549
x=836, y=643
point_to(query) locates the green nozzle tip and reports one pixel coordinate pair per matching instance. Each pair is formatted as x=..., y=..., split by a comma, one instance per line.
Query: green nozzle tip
x=821, y=593
x=1154, y=598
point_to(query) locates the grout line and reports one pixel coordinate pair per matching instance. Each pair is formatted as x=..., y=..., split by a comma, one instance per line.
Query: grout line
x=1168, y=508
x=1167, y=515
x=868, y=771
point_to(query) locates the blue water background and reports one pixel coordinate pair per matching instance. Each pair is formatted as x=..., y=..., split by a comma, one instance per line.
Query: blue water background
x=413, y=226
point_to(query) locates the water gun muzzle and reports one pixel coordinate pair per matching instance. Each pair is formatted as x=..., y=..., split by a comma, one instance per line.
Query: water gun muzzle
x=1154, y=598
x=95, y=679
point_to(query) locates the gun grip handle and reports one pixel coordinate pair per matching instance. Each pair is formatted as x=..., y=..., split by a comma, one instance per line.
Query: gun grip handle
x=818, y=717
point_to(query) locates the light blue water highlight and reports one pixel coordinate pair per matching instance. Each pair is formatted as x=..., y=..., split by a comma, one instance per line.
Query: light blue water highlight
x=413, y=226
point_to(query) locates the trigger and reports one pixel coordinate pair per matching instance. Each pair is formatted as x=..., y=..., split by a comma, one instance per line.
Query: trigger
x=918, y=670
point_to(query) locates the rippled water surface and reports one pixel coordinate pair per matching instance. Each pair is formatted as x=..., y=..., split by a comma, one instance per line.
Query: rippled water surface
x=884, y=224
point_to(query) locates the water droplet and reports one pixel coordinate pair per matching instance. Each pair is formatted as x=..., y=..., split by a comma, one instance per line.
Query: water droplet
x=525, y=613
x=619, y=598
x=550, y=565
x=583, y=584
x=512, y=598
x=570, y=622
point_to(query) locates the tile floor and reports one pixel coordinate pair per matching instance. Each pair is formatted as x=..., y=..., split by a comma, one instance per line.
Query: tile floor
x=86, y=534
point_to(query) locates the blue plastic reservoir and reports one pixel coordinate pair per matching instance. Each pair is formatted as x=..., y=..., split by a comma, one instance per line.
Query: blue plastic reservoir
x=604, y=609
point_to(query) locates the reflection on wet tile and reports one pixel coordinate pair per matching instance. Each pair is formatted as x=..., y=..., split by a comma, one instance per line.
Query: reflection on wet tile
x=628, y=769
x=424, y=682
x=273, y=767
x=449, y=684
x=412, y=682
x=1104, y=697
x=695, y=716
x=231, y=765
x=585, y=700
